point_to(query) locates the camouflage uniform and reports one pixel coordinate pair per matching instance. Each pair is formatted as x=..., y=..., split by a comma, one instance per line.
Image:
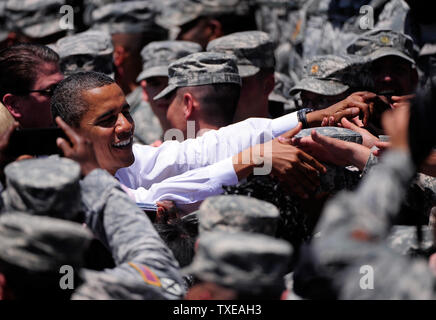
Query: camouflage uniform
x=248, y=263
x=280, y=94
x=236, y=214
x=143, y=261
x=354, y=229
x=35, y=19
x=198, y=69
x=86, y=51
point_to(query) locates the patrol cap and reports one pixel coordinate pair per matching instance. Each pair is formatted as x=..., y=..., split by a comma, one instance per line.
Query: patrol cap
x=199, y=69
x=157, y=55
x=175, y=13
x=329, y=75
x=233, y=213
x=333, y=132
x=376, y=44
x=254, y=50
x=44, y=186
x=41, y=244
x=126, y=17
x=246, y=262
x=87, y=51
x=34, y=18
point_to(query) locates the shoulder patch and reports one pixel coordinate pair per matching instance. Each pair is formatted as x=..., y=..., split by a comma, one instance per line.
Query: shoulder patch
x=147, y=275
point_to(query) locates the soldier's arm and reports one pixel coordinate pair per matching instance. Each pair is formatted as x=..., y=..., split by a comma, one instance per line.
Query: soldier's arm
x=138, y=251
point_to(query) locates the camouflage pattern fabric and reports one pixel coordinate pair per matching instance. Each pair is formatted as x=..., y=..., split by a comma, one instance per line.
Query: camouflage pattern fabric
x=86, y=51
x=174, y=13
x=237, y=213
x=158, y=55
x=34, y=18
x=198, y=69
x=377, y=44
x=147, y=126
x=355, y=228
x=44, y=186
x=404, y=239
x=241, y=261
x=143, y=262
x=254, y=50
x=332, y=75
x=126, y=17
x=333, y=132
x=41, y=244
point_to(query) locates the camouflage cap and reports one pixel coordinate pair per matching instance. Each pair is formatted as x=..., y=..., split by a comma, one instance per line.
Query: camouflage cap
x=157, y=55
x=233, y=213
x=246, y=262
x=333, y=132
x=376, y=44
x=41, y=244
x=330, y=75
x=126, y=17
x=175, y=13
x=87, y=51
x=35, y=18
x=254, y=50
x=44, y=186
x=199, y=69
x=429, y=49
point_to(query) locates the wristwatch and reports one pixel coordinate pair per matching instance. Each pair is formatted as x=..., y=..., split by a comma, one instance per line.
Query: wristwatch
x=301, y=115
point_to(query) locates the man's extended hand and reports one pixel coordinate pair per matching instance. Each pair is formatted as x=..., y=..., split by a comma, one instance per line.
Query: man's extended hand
x=81, y=149
x=334, y=151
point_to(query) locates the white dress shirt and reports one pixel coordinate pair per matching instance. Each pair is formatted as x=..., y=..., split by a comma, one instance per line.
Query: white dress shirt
x=190, y=171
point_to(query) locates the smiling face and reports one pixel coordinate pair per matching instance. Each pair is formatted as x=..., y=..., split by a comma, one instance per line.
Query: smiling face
x=109, y=126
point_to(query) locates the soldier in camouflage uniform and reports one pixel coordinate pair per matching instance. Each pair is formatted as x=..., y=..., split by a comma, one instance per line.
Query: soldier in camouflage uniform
x=239, y=266
x=156, y=58
x=86, y=51
x=391, y=56
x=132, y=26
x=329, y=79
x=201, y=21
x=254, y=52
x=36, y=21
x=237, y=214
x=280, y=101
x=213, y=83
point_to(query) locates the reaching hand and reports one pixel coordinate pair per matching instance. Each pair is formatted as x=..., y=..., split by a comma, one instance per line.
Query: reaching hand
x=81, y=149
x=369, y=140
x=333, y=151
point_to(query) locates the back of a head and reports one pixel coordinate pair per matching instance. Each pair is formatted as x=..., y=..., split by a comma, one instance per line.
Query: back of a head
x=20, y=64
x=67, y=101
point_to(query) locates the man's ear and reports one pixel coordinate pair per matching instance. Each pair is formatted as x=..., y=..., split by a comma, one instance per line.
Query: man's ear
x=11, y=103
x=214, y=28
x=120, y=55
x=269, y=84
x=189, y=103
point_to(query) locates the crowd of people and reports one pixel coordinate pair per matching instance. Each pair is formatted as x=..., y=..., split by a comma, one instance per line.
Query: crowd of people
x=218, y=149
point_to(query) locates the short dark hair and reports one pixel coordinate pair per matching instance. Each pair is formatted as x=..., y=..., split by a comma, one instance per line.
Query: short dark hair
x=20, y=64
x=180, y=236
x=67, y=101
x=218, y=101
